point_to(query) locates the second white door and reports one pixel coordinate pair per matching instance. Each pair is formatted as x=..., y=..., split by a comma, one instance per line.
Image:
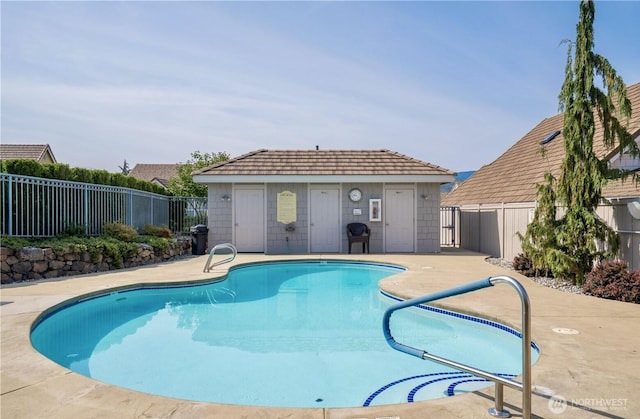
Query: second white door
x=399, y=220
x=324, y=214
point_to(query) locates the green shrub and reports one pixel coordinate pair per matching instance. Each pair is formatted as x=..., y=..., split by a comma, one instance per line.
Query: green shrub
x=118, y=179
x=15, y=242
x=613, y=280
x=56, y=171
x=80, y=174
x=120, y=231
x=116, y=249
x=156, y=236
x=73, y=230
x=61, y=171
x=22, y=167
x=58, y=244
x=159, y=244
x=523, y=264
x=157, y=231
x=100, y=177
x=108, y=246
x=77, y=244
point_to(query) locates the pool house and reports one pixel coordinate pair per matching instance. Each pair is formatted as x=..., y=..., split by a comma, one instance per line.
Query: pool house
x=300, y=201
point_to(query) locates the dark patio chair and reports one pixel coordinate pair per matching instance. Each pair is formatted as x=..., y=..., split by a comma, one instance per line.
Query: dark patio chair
x=359, y=233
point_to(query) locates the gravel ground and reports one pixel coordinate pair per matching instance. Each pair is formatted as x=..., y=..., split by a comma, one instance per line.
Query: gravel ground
x=547, y=282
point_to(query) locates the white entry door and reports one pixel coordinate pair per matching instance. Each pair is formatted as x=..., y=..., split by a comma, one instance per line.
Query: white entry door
x=249, y=219
x=324, y=215
x=399, y=231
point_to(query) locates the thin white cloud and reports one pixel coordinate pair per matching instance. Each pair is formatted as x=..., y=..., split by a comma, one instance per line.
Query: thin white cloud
x=151, y=84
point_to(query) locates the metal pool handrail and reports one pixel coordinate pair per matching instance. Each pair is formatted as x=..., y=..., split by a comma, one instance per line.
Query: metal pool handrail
x=209, y=265
x=525, y=386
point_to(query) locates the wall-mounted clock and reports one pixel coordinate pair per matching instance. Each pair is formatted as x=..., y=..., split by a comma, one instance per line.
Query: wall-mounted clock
x=355, y=195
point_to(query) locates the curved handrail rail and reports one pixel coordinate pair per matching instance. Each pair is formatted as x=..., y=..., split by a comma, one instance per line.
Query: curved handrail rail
x=209, y=265
x=524, y=386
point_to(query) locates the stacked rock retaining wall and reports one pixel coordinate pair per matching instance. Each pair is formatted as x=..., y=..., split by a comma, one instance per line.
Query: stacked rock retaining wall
x=33, y=263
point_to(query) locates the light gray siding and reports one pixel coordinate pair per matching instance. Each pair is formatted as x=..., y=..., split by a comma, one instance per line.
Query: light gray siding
x=279, y=240
x=428, y=218
x=219, y=214
x=369, y=191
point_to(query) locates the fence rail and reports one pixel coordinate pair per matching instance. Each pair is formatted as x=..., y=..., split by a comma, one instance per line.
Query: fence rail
x=37, y=207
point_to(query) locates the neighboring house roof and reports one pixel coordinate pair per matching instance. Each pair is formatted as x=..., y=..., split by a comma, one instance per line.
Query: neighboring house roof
x=157, y=173
x=39, y=152
x=323, y=165
x=162, y=182
x=621, y=189
x=513, y=176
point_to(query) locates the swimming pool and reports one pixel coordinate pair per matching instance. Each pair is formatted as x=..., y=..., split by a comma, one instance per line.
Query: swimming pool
x=298, y=334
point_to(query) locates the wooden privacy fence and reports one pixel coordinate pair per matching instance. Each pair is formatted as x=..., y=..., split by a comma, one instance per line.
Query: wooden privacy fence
x=38, y=207
x=492, y=228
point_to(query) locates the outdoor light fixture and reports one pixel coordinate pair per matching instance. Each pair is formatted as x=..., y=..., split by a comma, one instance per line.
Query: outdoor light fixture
x=424, y=196
x=225, y=198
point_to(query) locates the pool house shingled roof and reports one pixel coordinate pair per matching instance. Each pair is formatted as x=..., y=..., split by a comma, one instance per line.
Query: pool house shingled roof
x=325, y=163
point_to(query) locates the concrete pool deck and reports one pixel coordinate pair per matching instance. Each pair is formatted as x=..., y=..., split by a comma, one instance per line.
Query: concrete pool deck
x=597, y=371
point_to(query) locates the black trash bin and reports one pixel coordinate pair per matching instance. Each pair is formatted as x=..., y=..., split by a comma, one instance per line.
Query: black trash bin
x=199, y=239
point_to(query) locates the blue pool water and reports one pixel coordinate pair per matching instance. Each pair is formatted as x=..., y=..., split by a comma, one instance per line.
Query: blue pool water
x=303, y=334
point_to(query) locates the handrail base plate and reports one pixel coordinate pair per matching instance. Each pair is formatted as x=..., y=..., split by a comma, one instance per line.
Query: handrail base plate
x=499, y=413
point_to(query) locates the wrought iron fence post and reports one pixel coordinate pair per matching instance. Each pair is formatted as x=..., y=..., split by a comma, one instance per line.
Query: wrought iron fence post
x=86, y=210
x=130, y=209
x=11, y=206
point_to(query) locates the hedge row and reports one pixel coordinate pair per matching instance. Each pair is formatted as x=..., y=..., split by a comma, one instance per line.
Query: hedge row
x=62, y=171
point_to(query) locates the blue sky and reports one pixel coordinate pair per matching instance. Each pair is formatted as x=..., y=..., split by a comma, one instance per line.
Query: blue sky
x=450, y=83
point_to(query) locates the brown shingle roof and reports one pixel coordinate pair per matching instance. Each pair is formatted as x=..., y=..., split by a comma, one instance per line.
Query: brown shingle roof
x=621, y=189
x=323, y=162
x=39, y=152
x=513, y=176
x=160, y=172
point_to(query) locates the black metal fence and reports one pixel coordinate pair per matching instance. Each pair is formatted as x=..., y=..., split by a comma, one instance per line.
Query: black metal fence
x=185, y=212
x=450, y=225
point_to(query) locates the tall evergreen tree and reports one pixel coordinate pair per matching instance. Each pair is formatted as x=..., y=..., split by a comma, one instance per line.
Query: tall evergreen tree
x=540, y=238
x=124, y=169
x=578, y=190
